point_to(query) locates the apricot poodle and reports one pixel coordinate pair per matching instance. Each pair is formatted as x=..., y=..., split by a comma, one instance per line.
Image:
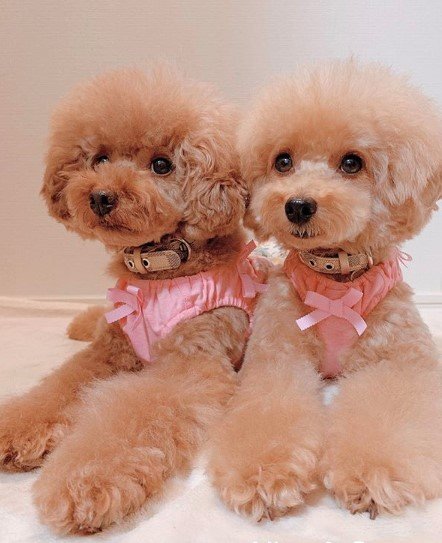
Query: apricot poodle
x=344, y=163
x=146, y=164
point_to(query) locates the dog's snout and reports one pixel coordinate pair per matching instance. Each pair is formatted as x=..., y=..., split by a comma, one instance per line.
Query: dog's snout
x=102, y=202
x=300, y=210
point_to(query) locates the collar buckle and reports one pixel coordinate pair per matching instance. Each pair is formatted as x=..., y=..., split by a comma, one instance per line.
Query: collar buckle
x=153, y=257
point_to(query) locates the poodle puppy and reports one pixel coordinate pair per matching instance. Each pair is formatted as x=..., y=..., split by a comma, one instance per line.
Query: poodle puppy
x=146, y=164
x=343, y=164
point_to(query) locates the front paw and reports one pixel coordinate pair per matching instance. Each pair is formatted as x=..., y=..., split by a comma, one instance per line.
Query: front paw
x=85, y=496
x=27, y=435
x=373, y=491
x=269, y=488
x=85, y=325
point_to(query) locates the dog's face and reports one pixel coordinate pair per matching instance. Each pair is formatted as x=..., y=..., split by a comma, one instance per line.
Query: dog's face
x=134, y=157
x=343, y=156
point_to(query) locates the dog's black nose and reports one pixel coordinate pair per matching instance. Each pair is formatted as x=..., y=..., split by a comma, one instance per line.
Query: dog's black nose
x=102, y=202
x=300, y=210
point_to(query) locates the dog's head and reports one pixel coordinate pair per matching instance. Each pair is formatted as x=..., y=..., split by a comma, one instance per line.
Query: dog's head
x=133, y=157
x=343, y=156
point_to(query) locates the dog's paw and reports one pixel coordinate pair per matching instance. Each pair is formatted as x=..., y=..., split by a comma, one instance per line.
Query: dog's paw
x=373, y=492
x=268, y=490
x=26, y=435
x=87, y=498
x=85, y=325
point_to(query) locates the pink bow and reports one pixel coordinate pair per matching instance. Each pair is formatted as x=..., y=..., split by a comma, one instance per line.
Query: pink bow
x=132, y=300
x=249, y=286
x=404, y=257
x=324, y=308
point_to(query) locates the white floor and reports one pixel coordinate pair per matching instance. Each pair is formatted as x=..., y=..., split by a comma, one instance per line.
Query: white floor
x=33, y=341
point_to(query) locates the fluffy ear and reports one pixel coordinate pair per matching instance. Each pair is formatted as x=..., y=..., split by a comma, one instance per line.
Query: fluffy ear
x=433, y=190
x=214, y=191
x=60, y=162
x=414, y=171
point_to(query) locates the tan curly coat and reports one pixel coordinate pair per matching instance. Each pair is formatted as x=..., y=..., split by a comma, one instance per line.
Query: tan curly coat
x=379, y=447
x=120, y=428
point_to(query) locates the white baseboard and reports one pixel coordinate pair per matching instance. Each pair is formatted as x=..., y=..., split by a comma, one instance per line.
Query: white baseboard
x=92, y=299
x=428, y=298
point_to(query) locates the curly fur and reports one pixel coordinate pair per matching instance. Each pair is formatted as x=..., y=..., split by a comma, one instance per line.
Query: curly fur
x=117, y=435
x=83, y=326
x=379, y=447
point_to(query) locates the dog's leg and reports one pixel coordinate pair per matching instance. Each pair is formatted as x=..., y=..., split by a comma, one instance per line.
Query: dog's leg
x=384, y=447
x=135, y=431
x=264, y=454
x=85, y=325
x=32, y=424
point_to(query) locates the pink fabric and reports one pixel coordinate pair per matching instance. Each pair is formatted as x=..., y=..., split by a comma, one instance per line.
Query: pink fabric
x=149, y=309
x=339, y=308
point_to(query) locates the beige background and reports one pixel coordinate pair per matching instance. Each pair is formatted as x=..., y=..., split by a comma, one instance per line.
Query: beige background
x=46, y=46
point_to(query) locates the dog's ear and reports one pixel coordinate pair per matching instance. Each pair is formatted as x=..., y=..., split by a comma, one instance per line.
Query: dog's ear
x=414, y=171
x=213, y=189
x=413, y=137
x=60, y=162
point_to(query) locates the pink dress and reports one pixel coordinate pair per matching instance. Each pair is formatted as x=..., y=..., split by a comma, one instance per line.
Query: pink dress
x=339, y=308
x=148, y=310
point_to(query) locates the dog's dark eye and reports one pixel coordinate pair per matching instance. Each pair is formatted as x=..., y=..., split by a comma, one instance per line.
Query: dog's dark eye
x=283, y=162
x=351, y=163
x=100, y=159
x=161, y=165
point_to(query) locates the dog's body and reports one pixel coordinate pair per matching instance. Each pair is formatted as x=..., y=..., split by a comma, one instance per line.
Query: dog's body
x=344, y=160
x=133, y=158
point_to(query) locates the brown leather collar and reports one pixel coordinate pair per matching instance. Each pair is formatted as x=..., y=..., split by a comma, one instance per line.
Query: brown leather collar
x=168, y=254
x=343, y=264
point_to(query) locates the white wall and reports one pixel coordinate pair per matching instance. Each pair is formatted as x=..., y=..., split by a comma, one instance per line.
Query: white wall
x=48, y=45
